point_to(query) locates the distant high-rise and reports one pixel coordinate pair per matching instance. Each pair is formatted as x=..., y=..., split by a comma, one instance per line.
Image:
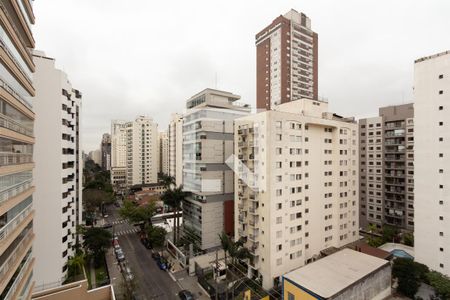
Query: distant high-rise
x=16, y=149
x=142, y=151
x=432, y=161
x=105, y=147
x=387, y=168
x=296, y=186
x=118, y=154
x=58, y=172
x=163, y=153
x=208, y=128
x=175, y=136
x=286, y=61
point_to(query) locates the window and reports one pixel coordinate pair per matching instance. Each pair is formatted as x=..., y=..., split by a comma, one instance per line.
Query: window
x=441, y=107
x=441, y=92
x=279, y=220
x=279, y=261
x=441, y=123
x=278, y=151
x=278, y=137
x=441, y=76
x=290, y=296
x=279, y=247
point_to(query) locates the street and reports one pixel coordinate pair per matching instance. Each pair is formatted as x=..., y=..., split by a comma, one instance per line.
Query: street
x=151, y=282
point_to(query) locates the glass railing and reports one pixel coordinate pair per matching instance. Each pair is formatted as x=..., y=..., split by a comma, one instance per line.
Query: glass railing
x=14, y=190
x=9, y=47
x=13, y=125
x=18, y=251
x=13, y=289
x=24, y=13
x=14, y=223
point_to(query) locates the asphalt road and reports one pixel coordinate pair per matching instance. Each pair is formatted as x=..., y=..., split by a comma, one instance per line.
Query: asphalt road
x=151, y=282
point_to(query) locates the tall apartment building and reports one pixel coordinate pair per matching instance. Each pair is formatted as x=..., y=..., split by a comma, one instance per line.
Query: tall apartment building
x=142, y=151
x=297, y=189
x=175, y=136
x=207, y=143
x=16, y=149
x=105, y=148
x=163, y=152
x=118, y=154
x=387, y=168
x=286, y=61
x=58, y=171
x=432, y=161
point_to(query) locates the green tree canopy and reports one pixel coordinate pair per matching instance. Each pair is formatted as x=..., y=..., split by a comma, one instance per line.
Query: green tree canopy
x=93, y=199
x=441, y=283
x=96, y=241
x=156, y=235
x=138, y=213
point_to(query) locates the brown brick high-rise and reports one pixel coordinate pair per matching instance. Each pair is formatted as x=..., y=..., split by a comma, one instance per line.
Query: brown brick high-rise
x=286, y=61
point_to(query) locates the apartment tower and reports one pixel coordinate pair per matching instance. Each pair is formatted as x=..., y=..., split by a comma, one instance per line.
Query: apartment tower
x=163, y=153
x=105, y=147
x=432, y=161
x=297, y=190
x=142, y=151
x=175, y=136
x=387, y=168
x=207, y=144
x=286, y=61
x=16, y=149
x=118, y=154
x=58, y=171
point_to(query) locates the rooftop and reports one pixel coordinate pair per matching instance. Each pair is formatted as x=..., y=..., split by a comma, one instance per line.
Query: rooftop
x=332, y=274
x=431, y=56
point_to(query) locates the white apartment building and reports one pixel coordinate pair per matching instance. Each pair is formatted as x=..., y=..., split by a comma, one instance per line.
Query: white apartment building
x=432, y=161
x=297, y=186
x=208, y=141
x=175, y=136
x=142, y=151
x=163, y=152
x=58, y=171
x=118, y=154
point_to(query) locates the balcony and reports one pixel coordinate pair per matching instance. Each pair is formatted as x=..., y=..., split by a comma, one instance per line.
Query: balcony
x=7, y=159
x=252, y=210
x=7, y=122
x=14, y=223
x=13, y=93
x=252, y=237
x=15, y=257
x=14, y=190
x=18, y=280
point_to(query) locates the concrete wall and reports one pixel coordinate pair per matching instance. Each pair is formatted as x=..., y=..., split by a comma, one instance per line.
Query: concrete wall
x=76, y=291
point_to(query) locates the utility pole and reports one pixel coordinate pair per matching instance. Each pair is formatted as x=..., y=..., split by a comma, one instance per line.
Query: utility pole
x=215, y=270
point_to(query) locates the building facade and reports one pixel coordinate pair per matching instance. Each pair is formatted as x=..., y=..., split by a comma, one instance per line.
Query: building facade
x=175, y=136
x=432, y=161
x=286, y=61
x=163, y=153
x=118, y=155
x=16, y=149
x=58, y=171
x=387, y=168
x=142, y=151
x=105, y=148
x=208, y=128
x=296, y=186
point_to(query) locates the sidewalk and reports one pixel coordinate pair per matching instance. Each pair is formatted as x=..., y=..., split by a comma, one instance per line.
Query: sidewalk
x=190, y=283
x=114, y=273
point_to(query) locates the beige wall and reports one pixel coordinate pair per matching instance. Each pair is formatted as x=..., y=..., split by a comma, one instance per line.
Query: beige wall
x=76, y=291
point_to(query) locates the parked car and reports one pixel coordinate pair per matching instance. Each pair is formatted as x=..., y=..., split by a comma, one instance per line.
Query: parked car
x=128, y=275
x=185, y=295
x=156, y=255
x=119, y=255
x=115, y=240
x=146, y=243
x=161, y=264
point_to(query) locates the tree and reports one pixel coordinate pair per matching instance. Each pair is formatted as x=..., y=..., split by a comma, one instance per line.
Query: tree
x=441, y=283
x=237, y=251
x=408, y=239
x=94, y=199
x=138, y=213
x=390, y=234
x=409, y=275
x=173, y=197
x=75, y=264
x=156, y=235
x=167, y=180
x=96, y=241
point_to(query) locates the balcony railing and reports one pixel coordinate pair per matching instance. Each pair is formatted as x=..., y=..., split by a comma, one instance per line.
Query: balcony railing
x=19, y=251
x=13, y=289
x=10, y=90
x=14, y=190
x=15, y=222
x=7, y=159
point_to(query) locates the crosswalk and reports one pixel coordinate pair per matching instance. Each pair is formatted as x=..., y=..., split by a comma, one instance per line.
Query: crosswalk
x=126, y=231
x=118, y=222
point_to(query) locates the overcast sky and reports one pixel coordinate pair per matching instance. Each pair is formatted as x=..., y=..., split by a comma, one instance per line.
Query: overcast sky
x=146, y=57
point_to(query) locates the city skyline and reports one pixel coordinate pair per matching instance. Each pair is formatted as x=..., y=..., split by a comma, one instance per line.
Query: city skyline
x=145, y=77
